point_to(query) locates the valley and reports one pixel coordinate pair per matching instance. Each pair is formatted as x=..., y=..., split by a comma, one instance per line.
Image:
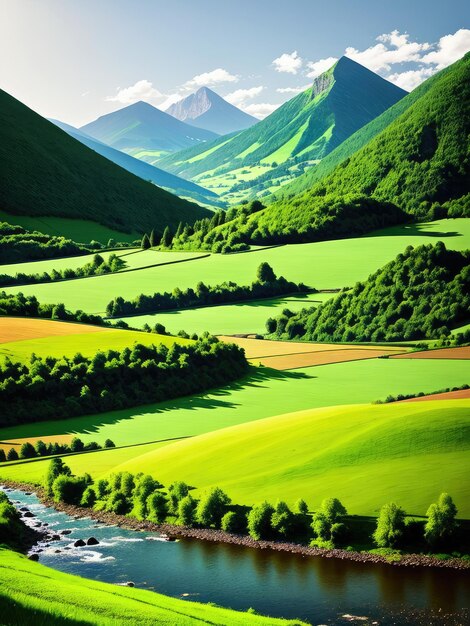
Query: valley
x=235, y=339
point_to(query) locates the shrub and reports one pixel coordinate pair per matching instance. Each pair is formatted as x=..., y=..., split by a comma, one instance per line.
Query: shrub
x=390, y=526
x=157, y=507
x=68, y=489
x=259, y=521
x=56, y=468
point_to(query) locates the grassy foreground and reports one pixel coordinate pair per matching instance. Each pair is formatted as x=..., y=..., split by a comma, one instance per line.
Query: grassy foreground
x=408, y=451
x=31, y=593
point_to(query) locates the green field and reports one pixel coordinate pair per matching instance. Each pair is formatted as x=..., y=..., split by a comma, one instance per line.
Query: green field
x=87, y=344
x=77, y=230
x=406, y=452
x=31, y=593
x=135, y=258
x=230, y=319
x=324, y=265
x=265, y=393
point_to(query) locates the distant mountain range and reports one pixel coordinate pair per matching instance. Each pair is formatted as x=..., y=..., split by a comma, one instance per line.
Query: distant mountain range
x=145, y=132
x=170, y=182
x=45, y=172
x=297, y=135
x=206, y=109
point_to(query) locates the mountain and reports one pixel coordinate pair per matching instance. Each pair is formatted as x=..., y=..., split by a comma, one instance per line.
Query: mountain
x=170, y=182
x=142, y=130
x=206, y=109
x=416, y=168
x=298, y=134
x=47, y=173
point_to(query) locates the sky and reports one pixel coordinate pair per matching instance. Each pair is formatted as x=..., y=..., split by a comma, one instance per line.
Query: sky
x=75, y=60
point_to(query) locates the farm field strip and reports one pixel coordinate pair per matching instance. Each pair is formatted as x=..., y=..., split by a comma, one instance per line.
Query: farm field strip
x=324, y=357
x=86, y=344
x=13, y=329
x=460, y=394
x=318, y=265
x=462, y=352
x=257, y=348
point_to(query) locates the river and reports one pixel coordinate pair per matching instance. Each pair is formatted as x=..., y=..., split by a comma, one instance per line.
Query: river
x=318, y=590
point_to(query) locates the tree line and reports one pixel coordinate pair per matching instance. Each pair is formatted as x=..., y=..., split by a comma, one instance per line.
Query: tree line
x=143, y=497
x=423, y=293
x=96, y=267
x=58, y=388
x=30, y=450
x=266, y=285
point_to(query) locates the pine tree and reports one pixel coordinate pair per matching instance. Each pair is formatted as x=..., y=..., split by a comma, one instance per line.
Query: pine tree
x=145, y=245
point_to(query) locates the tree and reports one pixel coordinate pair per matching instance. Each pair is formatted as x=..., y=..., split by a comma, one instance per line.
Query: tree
x=27, y=451
x=88, y=497
x=441, y=520
x=259, y=521
x=186, y=511
x=153, y=239
x=157, y=507
x=265, y=273
x=167, y=238
x=282, y=520
x=59, y=312
x=109, y=444
x=212, y=507
x=329, y=514
x=390, y=526
x=12, y=455
x=68, y=489
x=234, y=522
x=41, y=448
x=145, y=243
x=176, y=492
x=3, y=457
x=301, y=507
x=271, y=325
x=56, y=468
x=77, y=445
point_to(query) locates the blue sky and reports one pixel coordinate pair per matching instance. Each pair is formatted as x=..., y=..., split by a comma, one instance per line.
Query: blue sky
x=77, y=59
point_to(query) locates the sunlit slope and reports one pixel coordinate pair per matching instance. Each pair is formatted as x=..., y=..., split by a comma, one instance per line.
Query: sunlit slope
x=324, y=265
x=365, y=455
x=31, y=593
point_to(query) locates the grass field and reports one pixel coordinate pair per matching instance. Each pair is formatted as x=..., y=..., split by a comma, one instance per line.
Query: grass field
x=324, y=265
x=408, y=453
x=244, y=318
x=32, y=594
x=135, y=258
x=77, y=230
x=20, y=337
x=265, y=393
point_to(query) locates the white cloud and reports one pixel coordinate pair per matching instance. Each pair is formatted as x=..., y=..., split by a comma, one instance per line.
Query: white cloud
x=289, y=63
x=293, y=89
x=449, y=49
x=412, y=78
x=240, y=96
x=261, y=110
x=206, y=79
x=392, y=48
x=141, y=90
x=318, y=67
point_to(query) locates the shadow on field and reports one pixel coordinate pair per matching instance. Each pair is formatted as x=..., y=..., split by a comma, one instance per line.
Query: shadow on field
x=213, y=399
x=414, y=230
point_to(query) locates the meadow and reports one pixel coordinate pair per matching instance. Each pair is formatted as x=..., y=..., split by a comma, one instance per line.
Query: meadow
x=265, y=393
x=323, y=265
x=31, y=593
x=405, y=452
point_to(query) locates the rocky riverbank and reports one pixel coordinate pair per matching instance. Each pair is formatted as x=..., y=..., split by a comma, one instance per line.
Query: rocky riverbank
x=220, y=536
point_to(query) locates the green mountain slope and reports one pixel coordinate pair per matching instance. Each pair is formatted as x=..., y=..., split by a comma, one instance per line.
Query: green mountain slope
x=355, y=142
x=421, y=294
x=300, y=132
x=418, y=166
x=47, y=173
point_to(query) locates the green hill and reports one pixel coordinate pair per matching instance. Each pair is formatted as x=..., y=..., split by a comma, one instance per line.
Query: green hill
x=407, y=452
x=47, y=173
x=422, y=294
x=418, y=165
x=300, y=132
